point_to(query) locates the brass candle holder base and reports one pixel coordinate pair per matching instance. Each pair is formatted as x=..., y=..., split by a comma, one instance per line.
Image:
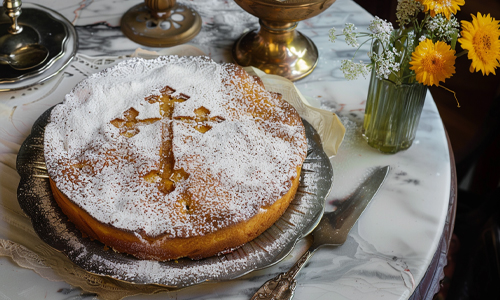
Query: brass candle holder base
x=279, y=50
x=161, y=23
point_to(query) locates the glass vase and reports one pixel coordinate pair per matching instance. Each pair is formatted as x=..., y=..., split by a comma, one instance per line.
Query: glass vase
x=392, y=114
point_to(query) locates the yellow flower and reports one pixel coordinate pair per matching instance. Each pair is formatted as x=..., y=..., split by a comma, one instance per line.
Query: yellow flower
x=480, y=38
x=445, y=7
x=433, y=63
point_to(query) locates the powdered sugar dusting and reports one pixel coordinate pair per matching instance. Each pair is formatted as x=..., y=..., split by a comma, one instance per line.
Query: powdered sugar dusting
x=246, y=160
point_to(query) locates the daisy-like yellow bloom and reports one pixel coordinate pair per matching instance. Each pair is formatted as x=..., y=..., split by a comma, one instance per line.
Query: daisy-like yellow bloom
x=480, y=38
x=433, y=63
x=445, y=7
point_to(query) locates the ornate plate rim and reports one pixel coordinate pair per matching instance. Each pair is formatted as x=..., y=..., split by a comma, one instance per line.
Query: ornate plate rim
x=53, y=228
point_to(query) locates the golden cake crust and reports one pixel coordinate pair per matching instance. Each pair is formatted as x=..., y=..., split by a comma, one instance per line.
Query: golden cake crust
x=164, y=248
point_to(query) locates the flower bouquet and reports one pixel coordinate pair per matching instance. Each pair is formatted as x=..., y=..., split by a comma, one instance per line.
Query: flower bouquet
x=406, y=60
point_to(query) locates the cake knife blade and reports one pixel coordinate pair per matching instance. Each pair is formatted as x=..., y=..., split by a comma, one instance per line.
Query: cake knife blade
x=332, y=229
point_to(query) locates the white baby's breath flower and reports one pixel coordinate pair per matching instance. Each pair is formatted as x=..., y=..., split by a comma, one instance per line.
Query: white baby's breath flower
x=353, y=70
x=422, y=38
x=442, y=28
x=386, y=62
x=406, y=10
x=381, y=29
x=411, y=39
x=350, y=35
x=331, y=34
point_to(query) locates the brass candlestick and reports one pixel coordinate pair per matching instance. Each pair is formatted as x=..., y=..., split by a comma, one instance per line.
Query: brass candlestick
x=277, y=48
x=160, y=23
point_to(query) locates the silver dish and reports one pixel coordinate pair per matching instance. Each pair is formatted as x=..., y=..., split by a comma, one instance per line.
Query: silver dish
x=56, y=33
x=305, y=211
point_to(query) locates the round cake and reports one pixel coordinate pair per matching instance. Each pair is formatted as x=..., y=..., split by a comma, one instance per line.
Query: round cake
x=173, y=157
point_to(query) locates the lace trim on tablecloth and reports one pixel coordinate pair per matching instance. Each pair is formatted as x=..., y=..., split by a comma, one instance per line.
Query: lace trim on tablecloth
x=54, y=266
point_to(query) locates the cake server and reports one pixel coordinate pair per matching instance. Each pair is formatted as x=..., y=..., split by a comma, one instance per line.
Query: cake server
x=331, y=230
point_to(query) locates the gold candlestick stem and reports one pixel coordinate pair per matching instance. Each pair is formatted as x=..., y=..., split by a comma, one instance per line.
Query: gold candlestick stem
x=13, y=10
x=277, y=47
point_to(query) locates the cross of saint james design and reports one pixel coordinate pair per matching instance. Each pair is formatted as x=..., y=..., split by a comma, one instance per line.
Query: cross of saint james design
x=129, y=126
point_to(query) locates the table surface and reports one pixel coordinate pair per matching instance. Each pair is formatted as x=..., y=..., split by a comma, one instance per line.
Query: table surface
x=392, y=245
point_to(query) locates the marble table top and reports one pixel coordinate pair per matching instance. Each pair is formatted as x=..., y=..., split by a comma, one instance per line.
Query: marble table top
x=391, y=246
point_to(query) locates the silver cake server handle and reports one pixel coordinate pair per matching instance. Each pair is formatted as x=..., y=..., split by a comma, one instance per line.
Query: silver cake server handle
x=333, y=230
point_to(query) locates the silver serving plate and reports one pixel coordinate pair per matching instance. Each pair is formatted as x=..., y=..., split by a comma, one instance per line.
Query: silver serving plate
x=305, y=211
x=57, y=34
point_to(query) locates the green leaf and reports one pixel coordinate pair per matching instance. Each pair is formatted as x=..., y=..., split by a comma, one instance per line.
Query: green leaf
x=454, y=40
